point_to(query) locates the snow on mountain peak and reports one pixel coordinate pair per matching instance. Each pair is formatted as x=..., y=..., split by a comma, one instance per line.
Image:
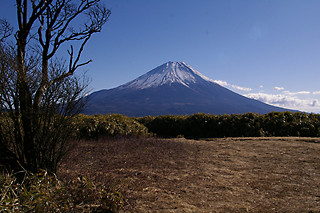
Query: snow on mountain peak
x=168, y=73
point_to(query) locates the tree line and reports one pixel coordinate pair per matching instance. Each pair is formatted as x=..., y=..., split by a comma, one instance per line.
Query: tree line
x=234, y=125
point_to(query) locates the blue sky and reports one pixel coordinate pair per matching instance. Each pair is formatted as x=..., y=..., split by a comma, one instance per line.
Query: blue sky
x=264, y=49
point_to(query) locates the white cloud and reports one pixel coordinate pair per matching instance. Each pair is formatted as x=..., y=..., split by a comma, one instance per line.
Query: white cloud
x=287, y=101
x=297, y=93
x=226, y=84
x=316, y=93
x=221, y=83
x=278, y=88
x=301, y=100
x=241, y=88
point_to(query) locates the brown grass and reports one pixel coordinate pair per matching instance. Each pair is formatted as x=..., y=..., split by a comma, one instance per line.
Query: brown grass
x=217, y=175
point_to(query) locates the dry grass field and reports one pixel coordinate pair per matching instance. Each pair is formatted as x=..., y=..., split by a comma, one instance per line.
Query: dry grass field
x=215, y=175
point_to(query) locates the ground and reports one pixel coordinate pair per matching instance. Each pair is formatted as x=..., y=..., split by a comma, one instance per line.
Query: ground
x=213, y=175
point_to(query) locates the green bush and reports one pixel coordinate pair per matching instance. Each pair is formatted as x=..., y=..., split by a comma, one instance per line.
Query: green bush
x=235, y=125
x=165, y=125
x=44, y=193
x=192, y=126
x=95, y=126
x=202, y=125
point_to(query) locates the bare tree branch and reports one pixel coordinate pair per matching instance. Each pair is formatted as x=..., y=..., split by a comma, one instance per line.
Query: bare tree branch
x=59, y=17
x=5, y=30
x=38, y=90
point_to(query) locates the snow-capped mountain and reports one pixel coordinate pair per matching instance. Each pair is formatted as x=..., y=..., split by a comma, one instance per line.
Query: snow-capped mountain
x=172, y=88
x=168, y=73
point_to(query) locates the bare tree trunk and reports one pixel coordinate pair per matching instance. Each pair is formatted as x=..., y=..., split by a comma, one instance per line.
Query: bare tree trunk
x=39, y=91
x=25, y=99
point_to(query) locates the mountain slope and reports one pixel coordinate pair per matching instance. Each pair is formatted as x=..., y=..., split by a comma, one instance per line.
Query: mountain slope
x=172, y=88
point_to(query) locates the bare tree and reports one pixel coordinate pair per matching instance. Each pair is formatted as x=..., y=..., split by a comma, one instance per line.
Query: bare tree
x=38, y=89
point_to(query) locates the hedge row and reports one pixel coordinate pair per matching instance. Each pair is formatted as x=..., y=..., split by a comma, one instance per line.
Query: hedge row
x=235, y=125
x=87, y=127
x=95, y=126
x=192, y=126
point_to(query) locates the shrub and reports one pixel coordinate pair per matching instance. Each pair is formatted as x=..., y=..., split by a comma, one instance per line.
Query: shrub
x=44, y=193
x=166, y=125
x=200, y=125
x=95, y=126
x=235, y=125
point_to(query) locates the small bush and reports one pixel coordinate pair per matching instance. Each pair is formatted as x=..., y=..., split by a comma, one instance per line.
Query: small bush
x=44, y=193
x=95, y=126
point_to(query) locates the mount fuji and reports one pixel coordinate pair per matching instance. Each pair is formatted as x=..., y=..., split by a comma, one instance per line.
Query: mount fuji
x=172, y=88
